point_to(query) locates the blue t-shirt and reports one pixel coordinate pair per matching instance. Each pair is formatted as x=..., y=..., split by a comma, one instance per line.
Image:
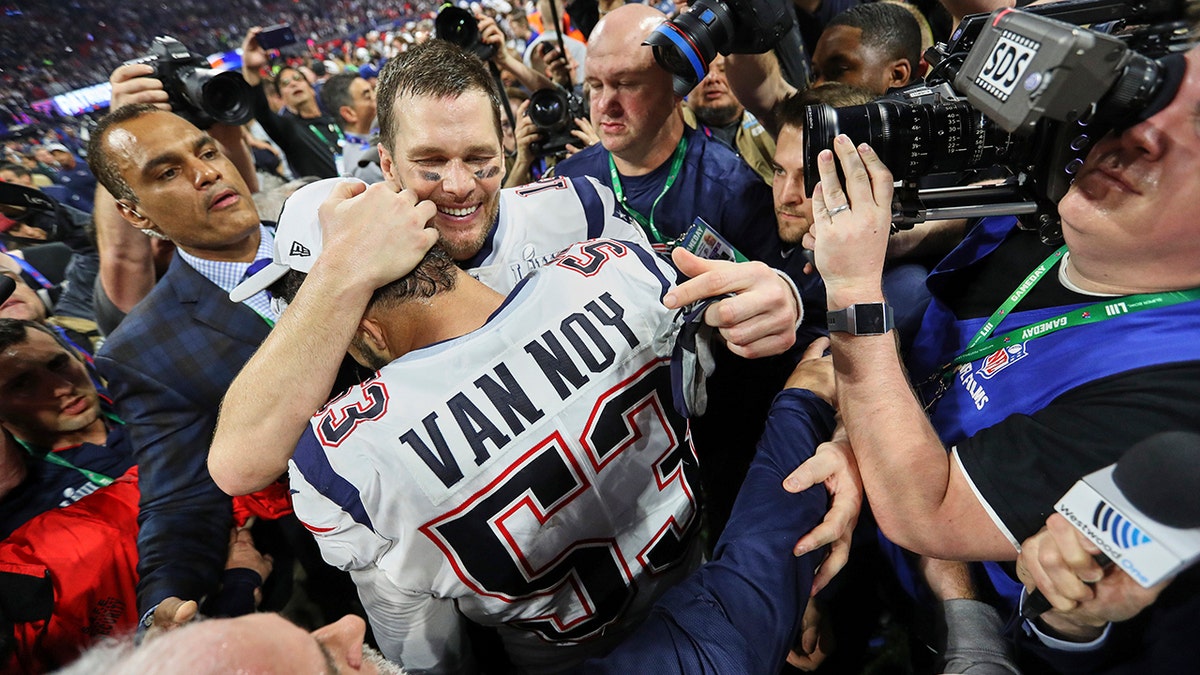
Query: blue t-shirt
x=713, y=183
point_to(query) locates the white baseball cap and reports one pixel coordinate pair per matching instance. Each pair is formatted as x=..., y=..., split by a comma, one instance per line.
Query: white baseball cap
x=297, y=238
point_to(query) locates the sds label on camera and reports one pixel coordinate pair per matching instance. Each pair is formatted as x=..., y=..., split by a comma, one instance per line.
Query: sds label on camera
x=1006, y=64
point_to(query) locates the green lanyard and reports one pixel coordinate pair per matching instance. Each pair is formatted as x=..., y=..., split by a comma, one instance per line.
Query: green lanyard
x=981, y=345
x=648, y=223
x=97, y=478
x=94, y=476
x=341, y=138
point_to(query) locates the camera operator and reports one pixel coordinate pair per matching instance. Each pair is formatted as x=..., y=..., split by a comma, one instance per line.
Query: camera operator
x=312, y=141
x=665, y=175
x=1094, y=350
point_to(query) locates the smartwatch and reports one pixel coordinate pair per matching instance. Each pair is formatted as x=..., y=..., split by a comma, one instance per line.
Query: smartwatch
x=872, y=318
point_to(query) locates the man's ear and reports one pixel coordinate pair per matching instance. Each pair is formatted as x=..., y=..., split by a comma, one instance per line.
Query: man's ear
x=347, y=113
x=129, y=212
x=899, y=73
x=370, y=335
x=388, y=166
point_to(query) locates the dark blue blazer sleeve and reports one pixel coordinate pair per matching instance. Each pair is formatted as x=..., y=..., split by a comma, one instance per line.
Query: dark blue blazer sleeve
x=740, y=612
x=184, y=518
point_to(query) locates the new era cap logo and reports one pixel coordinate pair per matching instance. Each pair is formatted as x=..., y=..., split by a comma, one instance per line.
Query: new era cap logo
x=299, y=250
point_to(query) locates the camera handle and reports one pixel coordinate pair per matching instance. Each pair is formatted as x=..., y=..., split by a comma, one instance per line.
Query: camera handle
x=558, y=29
x=911, y=205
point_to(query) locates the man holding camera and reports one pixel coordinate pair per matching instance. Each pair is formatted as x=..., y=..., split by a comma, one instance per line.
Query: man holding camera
x=1038, y=364
x=665, y=175
x=312, y=141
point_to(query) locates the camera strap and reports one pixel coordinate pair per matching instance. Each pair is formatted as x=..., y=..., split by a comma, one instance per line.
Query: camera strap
x=672, y=174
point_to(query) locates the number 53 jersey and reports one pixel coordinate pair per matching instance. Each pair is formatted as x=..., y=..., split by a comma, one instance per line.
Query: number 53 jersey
x=535, y=474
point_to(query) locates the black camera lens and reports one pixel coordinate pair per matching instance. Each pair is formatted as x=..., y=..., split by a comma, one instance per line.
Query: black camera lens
x=223, y=96
x=911, y=139
x=548, y=109
x=460, y=27
x=686, y=45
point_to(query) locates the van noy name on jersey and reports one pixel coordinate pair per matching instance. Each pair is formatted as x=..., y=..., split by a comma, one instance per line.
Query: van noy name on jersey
x=487, y=418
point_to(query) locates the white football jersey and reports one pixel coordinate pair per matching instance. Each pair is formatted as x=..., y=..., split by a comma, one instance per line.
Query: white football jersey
x=538, y=220
x=534, y=474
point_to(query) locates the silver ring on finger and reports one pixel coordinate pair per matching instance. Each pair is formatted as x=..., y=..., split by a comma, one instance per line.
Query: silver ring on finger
x=838, y=209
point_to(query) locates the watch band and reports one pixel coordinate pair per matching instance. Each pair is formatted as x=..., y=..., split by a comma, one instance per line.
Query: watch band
x=872, y=318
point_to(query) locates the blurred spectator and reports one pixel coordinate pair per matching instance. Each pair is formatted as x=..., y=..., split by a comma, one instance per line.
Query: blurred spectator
x=28, y=304
x=350, y=100
x=572, y=39
x=875, y=46
x=42, y=220
x=712, y=104
x=65, y=441
x=311, y=140
x=541, y=23
x=75, y=176
x=15, y=173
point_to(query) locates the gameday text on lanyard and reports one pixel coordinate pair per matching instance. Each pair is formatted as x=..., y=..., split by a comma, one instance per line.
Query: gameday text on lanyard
x=982, y=345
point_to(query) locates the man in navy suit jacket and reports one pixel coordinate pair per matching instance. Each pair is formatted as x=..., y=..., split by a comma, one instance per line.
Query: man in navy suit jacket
x=171, y=360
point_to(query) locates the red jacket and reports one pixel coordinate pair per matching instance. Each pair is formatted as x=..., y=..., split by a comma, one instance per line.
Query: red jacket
x=89, y=552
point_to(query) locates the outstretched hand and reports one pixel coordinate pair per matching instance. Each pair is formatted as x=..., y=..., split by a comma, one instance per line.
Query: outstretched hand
x=758, y=320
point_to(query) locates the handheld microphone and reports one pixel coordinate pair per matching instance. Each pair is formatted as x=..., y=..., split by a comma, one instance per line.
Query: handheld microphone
x=7, y=286
x=1143, y=512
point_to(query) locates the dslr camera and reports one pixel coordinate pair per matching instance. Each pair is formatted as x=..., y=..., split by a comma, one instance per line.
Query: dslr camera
x=553, y=111
x=196, y=92
x=685, y=45
x=458, y=26
x=1019, y=90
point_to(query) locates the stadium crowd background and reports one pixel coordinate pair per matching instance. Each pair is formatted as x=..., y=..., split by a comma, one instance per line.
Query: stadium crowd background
x=51, y=48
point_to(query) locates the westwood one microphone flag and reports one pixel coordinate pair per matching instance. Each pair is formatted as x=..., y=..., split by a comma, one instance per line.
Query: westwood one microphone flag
x=1146, y=548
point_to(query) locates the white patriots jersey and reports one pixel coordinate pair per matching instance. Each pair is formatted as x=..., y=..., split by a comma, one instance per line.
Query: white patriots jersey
x=538, y=220
x=535, y=473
